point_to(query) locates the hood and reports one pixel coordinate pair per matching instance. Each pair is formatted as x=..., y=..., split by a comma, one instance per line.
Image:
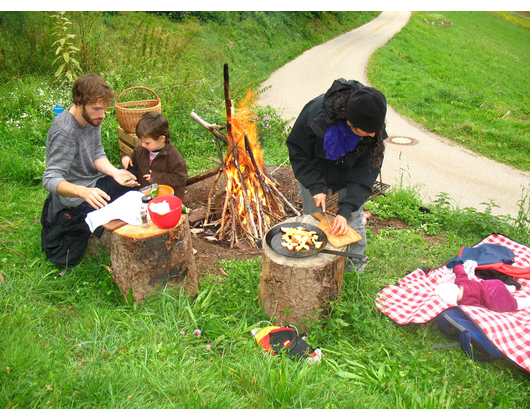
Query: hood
x=340, y=85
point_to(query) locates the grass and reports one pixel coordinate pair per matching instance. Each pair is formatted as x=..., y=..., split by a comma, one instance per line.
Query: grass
x=69, y=340
x=461, y=75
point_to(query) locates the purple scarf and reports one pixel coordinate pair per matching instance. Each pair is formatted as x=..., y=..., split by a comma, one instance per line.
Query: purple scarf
x=339, y=140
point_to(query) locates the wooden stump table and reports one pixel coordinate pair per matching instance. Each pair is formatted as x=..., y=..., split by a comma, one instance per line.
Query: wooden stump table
x=294, y=290
x=146, y=258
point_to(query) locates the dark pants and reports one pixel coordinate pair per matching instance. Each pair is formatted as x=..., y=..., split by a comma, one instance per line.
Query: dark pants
x=111, y=187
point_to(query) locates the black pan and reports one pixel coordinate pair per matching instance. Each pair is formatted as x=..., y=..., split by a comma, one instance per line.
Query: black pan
x=274, y=241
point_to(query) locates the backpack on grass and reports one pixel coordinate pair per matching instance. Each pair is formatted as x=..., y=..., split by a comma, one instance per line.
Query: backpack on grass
x=65, y=239
x=455, y=324
x=286, y=341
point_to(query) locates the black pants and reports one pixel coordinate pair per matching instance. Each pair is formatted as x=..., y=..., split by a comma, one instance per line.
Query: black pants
x=111, y=187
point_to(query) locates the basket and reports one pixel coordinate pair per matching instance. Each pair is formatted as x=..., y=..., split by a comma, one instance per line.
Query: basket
x=129, y=113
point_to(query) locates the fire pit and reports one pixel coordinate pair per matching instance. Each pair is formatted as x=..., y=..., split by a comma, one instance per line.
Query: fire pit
x=251, y=201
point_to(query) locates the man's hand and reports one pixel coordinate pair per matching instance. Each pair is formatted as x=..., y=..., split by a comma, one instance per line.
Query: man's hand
x=121, y=176
x=95, y=197
x=124, y=177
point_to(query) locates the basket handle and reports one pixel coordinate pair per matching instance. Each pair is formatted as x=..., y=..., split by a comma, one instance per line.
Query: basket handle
x=137, y=87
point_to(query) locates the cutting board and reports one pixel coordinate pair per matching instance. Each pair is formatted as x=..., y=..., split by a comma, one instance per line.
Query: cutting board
x=337, y=241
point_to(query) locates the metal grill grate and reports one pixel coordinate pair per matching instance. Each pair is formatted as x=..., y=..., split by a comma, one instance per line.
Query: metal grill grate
x=332, y=203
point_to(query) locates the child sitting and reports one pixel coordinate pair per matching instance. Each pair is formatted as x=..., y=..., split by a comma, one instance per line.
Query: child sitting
x=459, y=289
x=156, y=159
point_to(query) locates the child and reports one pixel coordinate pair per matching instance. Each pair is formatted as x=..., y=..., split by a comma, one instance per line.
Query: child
x=156, y=160
x=459, y=289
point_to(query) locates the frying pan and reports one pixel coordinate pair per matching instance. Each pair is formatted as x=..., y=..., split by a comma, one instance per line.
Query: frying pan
x=274, y=241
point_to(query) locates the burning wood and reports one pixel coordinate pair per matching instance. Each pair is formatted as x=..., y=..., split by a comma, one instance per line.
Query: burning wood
x=252, y=202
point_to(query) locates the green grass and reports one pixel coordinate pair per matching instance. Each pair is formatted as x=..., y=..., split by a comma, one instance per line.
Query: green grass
x=68, y=338
x=462, y=75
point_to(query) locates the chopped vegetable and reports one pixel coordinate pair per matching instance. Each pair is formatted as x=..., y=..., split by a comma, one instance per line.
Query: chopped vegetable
x=299, y=238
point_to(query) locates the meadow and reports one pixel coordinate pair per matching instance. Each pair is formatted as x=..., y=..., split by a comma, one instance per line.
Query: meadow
x=70, y=341
x=463, y=77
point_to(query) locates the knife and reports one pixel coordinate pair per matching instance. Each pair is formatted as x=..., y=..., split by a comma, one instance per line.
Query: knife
x=329, y=224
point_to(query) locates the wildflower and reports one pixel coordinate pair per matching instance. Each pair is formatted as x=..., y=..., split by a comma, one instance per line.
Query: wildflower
x=197, y=333
x=104, y=351
x=208, y=347
x=182, y=332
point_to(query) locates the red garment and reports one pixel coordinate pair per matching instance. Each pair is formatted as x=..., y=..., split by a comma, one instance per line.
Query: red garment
x=489, y=294
x=518, y=272
x=500, y=297
x=475, y=292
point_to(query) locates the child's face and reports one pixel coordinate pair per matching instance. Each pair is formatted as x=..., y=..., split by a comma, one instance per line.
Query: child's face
x=153, y=144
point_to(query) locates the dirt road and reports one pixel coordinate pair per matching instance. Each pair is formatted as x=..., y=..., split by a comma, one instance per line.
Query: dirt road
x=413, y=155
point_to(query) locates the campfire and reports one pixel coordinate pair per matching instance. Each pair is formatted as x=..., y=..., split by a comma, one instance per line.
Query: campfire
x=252, y=202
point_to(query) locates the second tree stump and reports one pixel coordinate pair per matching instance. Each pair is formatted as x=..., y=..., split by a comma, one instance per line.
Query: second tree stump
x=294, y=290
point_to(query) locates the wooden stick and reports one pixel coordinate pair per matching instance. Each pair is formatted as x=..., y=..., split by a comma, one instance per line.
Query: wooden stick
x=223, y=215
x=228, y=104
x=210, y=195
x=203, y=175
x=277, y=191
x=212, y=128
x=234, y=233
x=253, y=160
x=224, y=171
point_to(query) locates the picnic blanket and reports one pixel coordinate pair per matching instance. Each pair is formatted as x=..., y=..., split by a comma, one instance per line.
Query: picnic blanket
x=413, y=300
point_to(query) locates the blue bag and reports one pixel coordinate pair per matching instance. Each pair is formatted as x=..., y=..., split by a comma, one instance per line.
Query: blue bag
x=455, y=324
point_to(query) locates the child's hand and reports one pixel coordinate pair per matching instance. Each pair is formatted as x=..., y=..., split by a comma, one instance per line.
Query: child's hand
x=148, y=176
x=126, y=161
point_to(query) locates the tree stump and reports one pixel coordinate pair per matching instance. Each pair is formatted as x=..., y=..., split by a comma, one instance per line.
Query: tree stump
x=295, y=290
x=146, y=258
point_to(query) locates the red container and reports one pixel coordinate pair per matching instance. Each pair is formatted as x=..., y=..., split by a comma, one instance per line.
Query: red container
x=168, y=220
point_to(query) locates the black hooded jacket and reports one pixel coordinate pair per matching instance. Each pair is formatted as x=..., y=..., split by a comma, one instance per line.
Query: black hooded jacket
x=308, y=157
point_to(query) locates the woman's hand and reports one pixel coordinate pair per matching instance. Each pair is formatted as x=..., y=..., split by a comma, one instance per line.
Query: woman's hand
x=320, y=201
x=340, y=226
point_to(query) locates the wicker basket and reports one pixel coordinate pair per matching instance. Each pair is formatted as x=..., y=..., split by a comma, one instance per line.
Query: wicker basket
x=129, y=113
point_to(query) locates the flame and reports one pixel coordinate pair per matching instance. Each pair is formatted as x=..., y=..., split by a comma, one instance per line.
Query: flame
x=244, y=123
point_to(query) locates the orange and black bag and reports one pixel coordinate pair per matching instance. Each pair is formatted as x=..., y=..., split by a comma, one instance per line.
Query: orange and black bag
x=286, y=341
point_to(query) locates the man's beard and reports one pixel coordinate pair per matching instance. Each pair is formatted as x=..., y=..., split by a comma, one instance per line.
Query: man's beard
x=95, y=122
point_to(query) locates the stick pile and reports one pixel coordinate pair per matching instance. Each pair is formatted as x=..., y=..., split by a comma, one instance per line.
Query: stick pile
x=252, y=201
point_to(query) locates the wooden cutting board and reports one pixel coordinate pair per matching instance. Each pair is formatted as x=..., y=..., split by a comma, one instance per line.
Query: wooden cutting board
x=337, y=241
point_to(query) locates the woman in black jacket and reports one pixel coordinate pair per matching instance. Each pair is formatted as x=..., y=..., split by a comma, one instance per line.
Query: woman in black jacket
x=337, y=143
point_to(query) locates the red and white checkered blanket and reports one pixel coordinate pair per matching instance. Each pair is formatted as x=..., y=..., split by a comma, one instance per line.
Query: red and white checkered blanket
x=413, y=300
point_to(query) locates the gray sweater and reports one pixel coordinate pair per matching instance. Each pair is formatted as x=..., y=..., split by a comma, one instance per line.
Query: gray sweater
x=71, y=150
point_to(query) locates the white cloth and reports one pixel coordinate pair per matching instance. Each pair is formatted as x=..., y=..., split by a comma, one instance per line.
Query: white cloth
x=469, y=268
x=448, y=292
x=126, y=208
